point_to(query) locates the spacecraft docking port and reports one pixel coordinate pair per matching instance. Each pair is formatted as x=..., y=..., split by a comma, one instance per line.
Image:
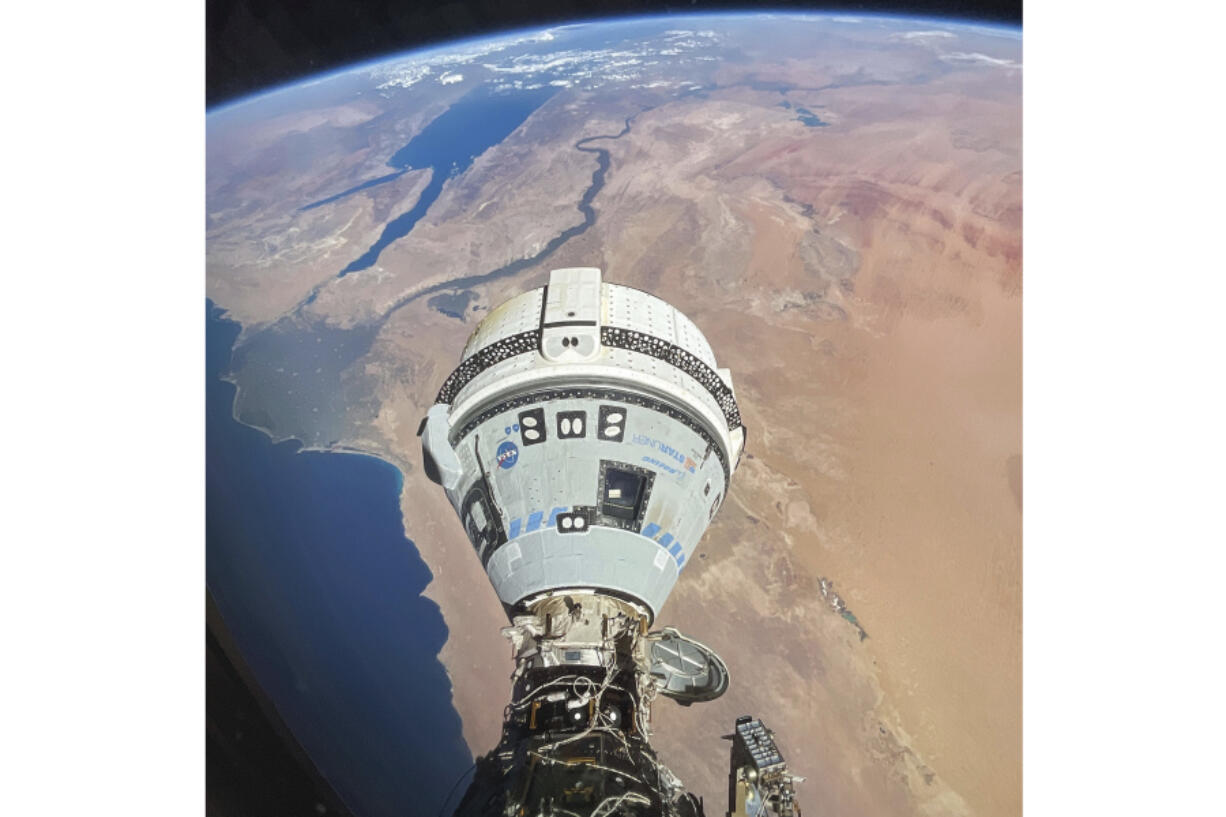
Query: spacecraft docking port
x=586, y=441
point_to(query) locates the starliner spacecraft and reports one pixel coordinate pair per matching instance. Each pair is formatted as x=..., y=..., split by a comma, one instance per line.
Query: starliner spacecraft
x=586, y=441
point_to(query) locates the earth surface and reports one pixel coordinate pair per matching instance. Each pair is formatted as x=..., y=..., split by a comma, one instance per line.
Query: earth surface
x=836, y=202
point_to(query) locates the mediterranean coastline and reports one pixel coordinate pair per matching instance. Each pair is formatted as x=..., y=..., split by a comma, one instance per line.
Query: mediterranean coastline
x=309, y=565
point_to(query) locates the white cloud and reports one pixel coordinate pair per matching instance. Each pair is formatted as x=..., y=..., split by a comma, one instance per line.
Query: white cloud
x=561, y=68
x=408, y=72
x=406, y=76
x=982, y=59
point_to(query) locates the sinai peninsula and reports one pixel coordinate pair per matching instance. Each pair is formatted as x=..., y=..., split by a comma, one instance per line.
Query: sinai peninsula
x=835, y=202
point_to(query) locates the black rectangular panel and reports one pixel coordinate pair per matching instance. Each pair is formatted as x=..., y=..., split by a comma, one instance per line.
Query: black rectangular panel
x=578, y=520
x=532, y=426
x=612, y=424
x=572, y=425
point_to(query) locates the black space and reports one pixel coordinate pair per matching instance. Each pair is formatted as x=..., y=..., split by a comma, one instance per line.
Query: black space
x=253, y=765
x=257, y=44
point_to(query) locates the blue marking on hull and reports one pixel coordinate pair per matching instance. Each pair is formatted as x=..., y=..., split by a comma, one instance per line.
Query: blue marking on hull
x=650, y=530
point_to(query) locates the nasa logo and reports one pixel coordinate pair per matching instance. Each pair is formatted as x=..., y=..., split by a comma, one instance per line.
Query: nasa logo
x=508, y=455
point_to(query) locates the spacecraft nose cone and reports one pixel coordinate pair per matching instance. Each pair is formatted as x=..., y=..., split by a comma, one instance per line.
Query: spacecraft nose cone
x=586, y=440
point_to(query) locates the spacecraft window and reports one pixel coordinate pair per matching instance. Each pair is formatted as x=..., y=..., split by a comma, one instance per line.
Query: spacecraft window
x=623, y=490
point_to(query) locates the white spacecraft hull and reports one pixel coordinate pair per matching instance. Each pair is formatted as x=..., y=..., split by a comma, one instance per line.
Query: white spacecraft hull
x=586, y=440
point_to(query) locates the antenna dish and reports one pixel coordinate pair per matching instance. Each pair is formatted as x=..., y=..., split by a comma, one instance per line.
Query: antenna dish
x=686, y=671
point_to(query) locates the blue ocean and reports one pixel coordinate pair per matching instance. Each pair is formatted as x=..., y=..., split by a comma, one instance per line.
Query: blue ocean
x=307, y=560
